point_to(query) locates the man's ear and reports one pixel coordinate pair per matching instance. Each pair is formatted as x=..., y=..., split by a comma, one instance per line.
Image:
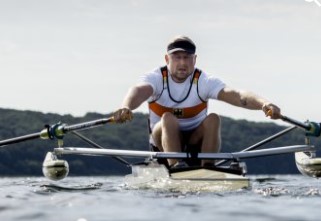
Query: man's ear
x=167, y=58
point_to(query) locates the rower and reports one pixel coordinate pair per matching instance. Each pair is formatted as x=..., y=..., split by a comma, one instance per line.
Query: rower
x=178, y=96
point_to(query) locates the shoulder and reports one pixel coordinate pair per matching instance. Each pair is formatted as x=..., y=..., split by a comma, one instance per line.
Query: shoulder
x=152, y=75
x=154, y=78
x=209, y=78
x=156, y=72
x=210, y=85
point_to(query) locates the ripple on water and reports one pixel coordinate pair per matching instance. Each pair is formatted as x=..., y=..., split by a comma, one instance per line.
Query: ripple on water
x=272, y=191
x=293, y=186
x=92, y=199
x=70, y=188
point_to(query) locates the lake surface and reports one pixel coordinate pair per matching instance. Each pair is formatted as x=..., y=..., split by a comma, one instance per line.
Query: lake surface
x=294, y=198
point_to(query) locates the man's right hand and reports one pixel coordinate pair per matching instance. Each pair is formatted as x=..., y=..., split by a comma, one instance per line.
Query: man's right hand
x=123, y=115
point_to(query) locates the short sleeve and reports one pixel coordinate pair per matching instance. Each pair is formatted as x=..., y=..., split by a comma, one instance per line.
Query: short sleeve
x=210, y=86
x=155, y=80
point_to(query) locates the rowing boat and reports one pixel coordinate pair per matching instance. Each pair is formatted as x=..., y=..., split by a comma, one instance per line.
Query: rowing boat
x=228, y=174
x=150, y=174
x=191, y=179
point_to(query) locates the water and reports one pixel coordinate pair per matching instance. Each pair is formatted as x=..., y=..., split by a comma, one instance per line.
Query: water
x=294, y=198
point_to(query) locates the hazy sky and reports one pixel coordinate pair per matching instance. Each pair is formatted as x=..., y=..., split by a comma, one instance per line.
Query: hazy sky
x=76, y=56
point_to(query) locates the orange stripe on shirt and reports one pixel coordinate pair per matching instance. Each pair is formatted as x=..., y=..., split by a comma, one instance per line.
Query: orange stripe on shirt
x=187, y=112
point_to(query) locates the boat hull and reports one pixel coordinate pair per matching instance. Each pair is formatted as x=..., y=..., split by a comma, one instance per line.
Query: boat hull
x=157, y=177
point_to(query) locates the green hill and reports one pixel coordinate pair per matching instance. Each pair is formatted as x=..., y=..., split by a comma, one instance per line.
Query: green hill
x=26, y=158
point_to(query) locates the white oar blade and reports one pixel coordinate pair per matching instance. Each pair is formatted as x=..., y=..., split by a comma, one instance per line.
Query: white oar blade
x=307, y=164
x=53, y=168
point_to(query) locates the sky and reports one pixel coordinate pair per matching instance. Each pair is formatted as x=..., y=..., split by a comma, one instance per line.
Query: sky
x=79, y=56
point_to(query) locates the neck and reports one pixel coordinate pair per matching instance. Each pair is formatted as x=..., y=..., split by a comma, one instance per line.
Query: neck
x=180, y=78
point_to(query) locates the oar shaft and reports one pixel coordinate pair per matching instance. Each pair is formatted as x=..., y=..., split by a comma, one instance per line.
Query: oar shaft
x=296, y=123
x=87, y=125
x=20, y=139
x=57, y=131
x=311, y=128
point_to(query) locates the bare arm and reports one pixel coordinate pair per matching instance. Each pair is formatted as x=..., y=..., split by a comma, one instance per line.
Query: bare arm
x=133, y=99
x=137, y=95
x=249, y=100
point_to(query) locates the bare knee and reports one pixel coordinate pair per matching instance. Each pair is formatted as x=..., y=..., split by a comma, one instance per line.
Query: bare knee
x=212, y=120
x=169, y=120
x=167, y=123
x=168, y=116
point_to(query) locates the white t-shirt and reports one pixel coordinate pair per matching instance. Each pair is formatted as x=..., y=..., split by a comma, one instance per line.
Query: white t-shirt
x=208, y=88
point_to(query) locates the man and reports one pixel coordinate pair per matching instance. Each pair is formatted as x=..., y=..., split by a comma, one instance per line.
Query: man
x=178, y=94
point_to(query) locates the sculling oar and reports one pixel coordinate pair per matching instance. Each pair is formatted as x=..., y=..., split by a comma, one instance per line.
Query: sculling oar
x=307, y=162
x=57, y=131
x=311, y=128
x=52, y=167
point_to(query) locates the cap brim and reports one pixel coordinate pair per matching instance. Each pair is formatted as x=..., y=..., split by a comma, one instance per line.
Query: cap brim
x=179, y=49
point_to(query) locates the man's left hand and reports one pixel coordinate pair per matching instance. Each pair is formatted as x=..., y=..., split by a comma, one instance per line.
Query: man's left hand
x=272, y=111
